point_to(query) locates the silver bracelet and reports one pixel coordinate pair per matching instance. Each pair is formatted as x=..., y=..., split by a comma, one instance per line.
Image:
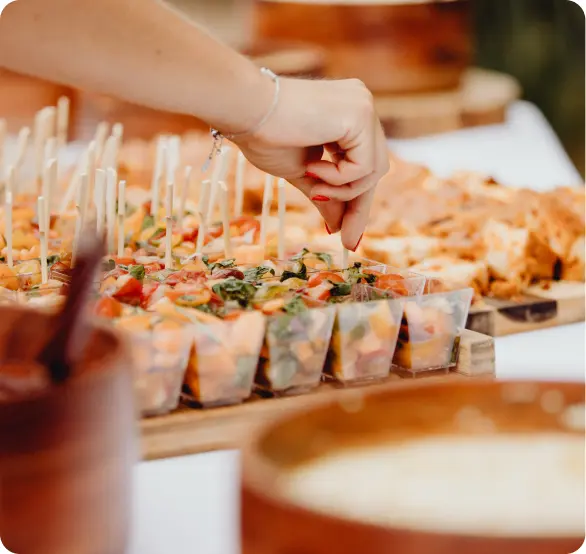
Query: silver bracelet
x=218, y=137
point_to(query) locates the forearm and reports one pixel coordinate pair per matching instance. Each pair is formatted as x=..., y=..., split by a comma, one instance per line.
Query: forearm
x=138, y=50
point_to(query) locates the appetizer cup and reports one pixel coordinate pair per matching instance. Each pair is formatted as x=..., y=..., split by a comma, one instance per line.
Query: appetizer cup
x=222, y=366
x=408, y=471
x=430, y=331
x=295, y=349
x=161, y=355
x=66, y=451
x=364, y=339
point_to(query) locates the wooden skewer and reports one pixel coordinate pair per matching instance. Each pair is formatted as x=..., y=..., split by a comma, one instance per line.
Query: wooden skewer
x=62, y=120
x=202, y=211
x=239, y=199
x=158, y=174
x=219, y=174
x=91, y=168
x=71, y=191
x=3, y=133
x=100, y=199
x=81, y=210
x=266, y=209
x=184, y=193
x=49, y=185
x=45, y=122
x=50, y=150
x=43, y=229
x=121, y=216
x=111, y=180
x=225, y=207
x=110, y=156
x=345, y=255
x=282, y=213
x=8, y=224
x=21, y=148
x=100, y=139
x=118, y=131
x=169, y=227
x=173, y=157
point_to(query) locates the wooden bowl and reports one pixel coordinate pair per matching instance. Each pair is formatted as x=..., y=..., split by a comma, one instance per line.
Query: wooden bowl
x=275, y=524
x=289, y=59
x=391, y=45
x=67, y=453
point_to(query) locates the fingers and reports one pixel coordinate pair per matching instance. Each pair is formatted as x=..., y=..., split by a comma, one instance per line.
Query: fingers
x=358, y=161
x=355, y=219
x=332, y=212
x=343, y=193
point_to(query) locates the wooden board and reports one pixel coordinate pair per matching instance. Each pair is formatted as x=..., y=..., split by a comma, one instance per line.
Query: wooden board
x=560, y=304
x=482, y=99
x=191, y=431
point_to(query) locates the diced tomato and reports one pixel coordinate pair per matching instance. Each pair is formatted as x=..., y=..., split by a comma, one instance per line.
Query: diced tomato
x=123, y=260
x=185, y=276
x=115, y=273
x=108, y=307
x=245, y=224
x=232, y=316
x=130, y=291
x=392, y=282
x=215, y=232
x=190, y=235
x=320, y=292
x=153, y=267
x=322, y=276
x=148, y=289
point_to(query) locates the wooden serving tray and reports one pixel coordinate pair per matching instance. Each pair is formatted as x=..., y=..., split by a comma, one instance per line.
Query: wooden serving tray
x=561, y=304
x=192, y=431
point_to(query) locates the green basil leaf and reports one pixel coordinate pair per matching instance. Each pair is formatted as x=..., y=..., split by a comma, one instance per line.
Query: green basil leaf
x=137, y=271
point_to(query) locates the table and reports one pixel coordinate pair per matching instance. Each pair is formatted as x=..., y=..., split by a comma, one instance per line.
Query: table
x=191, y=504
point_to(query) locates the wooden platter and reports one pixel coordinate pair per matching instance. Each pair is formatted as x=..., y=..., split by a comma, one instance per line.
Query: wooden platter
x=561, y=303
x=482, y=99
x=191, y=431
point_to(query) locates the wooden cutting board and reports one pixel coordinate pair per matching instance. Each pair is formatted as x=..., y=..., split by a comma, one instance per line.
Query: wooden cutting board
x=561, y=303
x=482, y=99
x=192, y=431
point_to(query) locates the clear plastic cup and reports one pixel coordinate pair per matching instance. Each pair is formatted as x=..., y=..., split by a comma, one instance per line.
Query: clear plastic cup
x=160, y=356
x=295, y=350
x=430, y=331
x=364, y=340
x=223, y=364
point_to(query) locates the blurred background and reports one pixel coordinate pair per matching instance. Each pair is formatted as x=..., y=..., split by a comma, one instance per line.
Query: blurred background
x=418, y=56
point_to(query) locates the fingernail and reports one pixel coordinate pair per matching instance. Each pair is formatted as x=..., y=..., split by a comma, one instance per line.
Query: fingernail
x=328, y=229
x=320, y=198
x=358, y=243
x=312, y=176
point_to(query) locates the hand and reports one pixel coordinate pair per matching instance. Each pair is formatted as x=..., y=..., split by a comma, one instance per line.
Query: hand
x=335, y=117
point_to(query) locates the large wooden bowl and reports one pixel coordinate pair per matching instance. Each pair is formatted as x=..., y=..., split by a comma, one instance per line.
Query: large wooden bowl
x=392, y=45
x=67, y=453
x=272, y=524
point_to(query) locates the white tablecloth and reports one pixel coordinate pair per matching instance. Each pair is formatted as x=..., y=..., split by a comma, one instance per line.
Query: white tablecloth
x=190, y=504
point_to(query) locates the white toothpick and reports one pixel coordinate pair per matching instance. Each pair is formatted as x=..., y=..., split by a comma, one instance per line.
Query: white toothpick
x=8, y=225
x=49, y=185
x=169, y=226
x=121, y=216
x=91, y=168
x=225, y=207
x=184, y=193
x=81, y=212
x=111, y=180
x=100, y=200
x=239, y=199
x=118, y=131
x=110, y=155
x=219, y=174
x=202, y=209
x=267, y=200
x=3, y=133
x=71, y=191
x=43, y=229
x=62, y=120
x=50, y=150
x=345, y=255
x=100, y=138
x=173, y=157
x=21, y=148
x=44, y=128
x=158, y=174
x=282, y=213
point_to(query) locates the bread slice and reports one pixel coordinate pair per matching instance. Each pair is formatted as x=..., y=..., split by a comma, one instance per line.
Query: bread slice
x=517, y=255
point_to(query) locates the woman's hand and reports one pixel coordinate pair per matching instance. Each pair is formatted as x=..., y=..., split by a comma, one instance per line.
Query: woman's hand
x=313, y=117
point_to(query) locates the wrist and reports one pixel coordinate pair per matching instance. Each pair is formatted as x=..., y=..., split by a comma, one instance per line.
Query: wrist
x=248, y=101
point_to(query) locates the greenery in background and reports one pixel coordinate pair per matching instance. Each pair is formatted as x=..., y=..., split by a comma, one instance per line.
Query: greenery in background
x=541, y=42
